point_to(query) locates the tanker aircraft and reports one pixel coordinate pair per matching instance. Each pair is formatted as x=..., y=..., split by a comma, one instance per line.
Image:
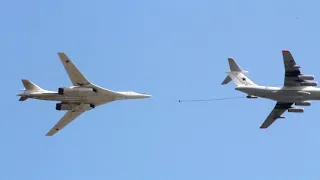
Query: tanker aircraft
x=76, y=99
x=298, y=88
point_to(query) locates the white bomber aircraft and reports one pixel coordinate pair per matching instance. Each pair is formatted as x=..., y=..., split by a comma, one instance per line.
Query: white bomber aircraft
x=80, y=97
x=298, y=88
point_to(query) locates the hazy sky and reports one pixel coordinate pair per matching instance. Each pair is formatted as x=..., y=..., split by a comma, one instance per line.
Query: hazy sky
x=171, y=49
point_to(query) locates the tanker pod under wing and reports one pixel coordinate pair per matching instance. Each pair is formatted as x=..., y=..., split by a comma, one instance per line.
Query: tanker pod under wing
x=76, y=99
x=298, y=88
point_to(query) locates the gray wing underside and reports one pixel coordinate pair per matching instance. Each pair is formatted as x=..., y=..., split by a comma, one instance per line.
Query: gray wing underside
x=276, y=113
x=292, y=70
x=65, y=120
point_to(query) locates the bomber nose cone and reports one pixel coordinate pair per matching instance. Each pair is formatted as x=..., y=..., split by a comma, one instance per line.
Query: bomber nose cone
x=146, y=96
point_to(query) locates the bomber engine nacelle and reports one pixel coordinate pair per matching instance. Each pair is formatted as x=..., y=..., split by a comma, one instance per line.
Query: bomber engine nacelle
x=309, y=83
x=74, y=107
x=76, y=90
x=306, y=77
x=296, y=110
x=303, y=103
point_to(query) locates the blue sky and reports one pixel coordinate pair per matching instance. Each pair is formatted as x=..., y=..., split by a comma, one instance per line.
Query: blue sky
x=172, y=49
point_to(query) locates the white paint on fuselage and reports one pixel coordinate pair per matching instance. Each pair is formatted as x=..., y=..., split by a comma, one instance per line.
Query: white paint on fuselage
x=102, y=96
x=282, y=94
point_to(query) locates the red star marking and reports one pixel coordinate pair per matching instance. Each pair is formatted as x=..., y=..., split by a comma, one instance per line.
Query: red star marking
x=243, y=79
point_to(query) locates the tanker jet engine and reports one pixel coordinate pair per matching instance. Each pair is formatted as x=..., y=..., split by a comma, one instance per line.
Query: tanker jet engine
x=76, y=99
x=298, y=88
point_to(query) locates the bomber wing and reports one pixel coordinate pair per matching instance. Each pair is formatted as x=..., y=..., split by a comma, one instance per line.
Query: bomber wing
x=76, y=77
x=276, y=113
x=65, y=120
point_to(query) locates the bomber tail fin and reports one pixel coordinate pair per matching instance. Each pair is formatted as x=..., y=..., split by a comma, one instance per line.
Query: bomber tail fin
x=236, y=74
x=28, y=86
